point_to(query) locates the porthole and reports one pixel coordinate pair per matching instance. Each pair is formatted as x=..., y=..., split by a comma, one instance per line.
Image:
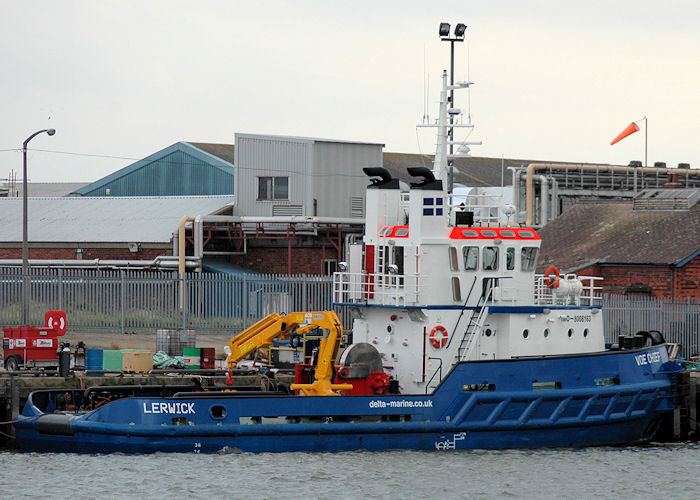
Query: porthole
x=585, y=332
x=525, y=334
x=571, y=332
x=218, y=412
x=546, y=332
x=488, y=332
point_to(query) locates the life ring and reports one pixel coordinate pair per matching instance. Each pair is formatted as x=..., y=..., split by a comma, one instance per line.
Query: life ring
x=552, y=281
x=438, y=336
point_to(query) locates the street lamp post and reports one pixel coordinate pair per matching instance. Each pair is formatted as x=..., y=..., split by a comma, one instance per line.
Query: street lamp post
x=25, y=242
x=444, y=32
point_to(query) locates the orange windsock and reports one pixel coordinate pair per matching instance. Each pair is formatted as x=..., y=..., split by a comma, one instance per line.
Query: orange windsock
x=629, y=130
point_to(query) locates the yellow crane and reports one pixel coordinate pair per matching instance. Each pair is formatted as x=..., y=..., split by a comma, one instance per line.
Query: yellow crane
x=275, y=326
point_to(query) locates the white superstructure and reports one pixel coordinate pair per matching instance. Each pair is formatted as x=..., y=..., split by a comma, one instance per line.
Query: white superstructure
x=431, y=287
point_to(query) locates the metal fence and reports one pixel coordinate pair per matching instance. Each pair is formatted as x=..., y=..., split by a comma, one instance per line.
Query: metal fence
x=137, y=301
x=678, y=319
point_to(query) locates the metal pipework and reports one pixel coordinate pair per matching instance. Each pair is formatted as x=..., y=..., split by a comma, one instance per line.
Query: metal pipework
x=532, y=167
x=181, y=254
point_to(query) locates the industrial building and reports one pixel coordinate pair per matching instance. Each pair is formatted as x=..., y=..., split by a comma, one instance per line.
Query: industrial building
x=182, y=169
x=649, y=246
x=287, y=206
x=282, y=204
x=98, y=231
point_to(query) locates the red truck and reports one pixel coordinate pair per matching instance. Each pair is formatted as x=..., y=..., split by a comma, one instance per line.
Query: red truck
x=33, y=346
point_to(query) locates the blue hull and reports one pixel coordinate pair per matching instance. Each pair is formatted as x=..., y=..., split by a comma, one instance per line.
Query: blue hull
x=608, y=398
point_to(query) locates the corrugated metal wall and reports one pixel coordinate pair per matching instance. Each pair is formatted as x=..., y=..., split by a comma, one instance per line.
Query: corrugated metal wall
x=329, y=172
x=267, y=156
x=338, y=175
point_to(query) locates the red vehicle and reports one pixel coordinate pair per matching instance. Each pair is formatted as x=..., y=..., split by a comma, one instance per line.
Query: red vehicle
x=33, y=346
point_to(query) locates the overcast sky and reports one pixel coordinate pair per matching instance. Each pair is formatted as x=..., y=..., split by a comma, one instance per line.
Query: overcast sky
x=554, y=79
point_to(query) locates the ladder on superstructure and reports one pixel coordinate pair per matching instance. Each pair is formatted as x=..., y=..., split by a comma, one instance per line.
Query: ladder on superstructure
x=381, y=265
x=476, y=322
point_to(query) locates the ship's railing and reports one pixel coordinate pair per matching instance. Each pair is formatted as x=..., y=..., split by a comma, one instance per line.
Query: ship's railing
x=488, y=209
x=572, y=290
x=407, y=290
x=379, y=288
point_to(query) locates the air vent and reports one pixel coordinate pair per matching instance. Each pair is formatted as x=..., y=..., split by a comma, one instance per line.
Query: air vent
x=357, y=206
x=666, y=199
x=287, y=210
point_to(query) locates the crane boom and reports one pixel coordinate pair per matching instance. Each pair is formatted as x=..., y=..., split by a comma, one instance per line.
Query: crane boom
x=275, y=326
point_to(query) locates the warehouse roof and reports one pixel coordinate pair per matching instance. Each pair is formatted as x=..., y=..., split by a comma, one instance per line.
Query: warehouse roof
x=475, y=171
x=222, y=151
x=41, y=189
x=613, y=233
x=296, y=138
x=140, y=219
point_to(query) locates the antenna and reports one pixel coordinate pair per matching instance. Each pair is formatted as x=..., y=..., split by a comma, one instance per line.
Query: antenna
x=426, y=86
x=469, y=90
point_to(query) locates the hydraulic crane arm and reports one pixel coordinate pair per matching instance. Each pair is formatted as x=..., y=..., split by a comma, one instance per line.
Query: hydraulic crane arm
x=275, y=326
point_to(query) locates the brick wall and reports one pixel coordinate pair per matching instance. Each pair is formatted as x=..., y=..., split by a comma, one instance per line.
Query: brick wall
x=687, y=282
x=87, y=253
x=261, y=259
x=664, y=281
x=619, y=279
x=274, y=260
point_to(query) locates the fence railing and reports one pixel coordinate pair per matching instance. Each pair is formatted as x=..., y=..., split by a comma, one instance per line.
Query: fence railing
x=677, y=319
x=138, y=301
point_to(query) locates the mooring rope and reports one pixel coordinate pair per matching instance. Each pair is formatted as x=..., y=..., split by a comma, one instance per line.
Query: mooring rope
x=12, y=422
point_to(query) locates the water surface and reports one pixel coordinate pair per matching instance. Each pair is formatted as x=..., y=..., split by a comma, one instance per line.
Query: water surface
x=652, y=471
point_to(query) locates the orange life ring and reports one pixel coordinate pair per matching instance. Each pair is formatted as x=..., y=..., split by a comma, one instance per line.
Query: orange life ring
x=438, y=336
x=552, y=281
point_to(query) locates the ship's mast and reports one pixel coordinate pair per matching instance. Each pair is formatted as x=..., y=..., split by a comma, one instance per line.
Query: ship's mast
x=443, y=133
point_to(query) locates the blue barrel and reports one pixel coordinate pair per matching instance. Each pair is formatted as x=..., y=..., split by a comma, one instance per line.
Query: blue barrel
x=93, y=360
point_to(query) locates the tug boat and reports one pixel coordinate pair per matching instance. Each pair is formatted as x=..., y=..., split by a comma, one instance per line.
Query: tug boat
x=456, y=343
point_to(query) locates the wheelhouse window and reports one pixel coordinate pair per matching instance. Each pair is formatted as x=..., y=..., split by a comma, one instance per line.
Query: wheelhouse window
x=456, y=289
x=397, y=259
x=454, y=264
x=510, y=258
x=273, y=188
x=528, y=258
x=471, y=258
x=490, y=257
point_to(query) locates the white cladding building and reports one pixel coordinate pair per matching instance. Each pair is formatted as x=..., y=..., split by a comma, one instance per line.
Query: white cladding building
x=299, y=176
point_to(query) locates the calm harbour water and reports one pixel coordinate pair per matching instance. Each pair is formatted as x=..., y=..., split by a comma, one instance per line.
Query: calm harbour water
x=652, y=471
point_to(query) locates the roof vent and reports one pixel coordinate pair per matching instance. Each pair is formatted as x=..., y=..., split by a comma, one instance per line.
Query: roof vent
x=666, y=199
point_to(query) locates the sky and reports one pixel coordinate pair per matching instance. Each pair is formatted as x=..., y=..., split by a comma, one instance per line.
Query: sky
x=554, y=80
